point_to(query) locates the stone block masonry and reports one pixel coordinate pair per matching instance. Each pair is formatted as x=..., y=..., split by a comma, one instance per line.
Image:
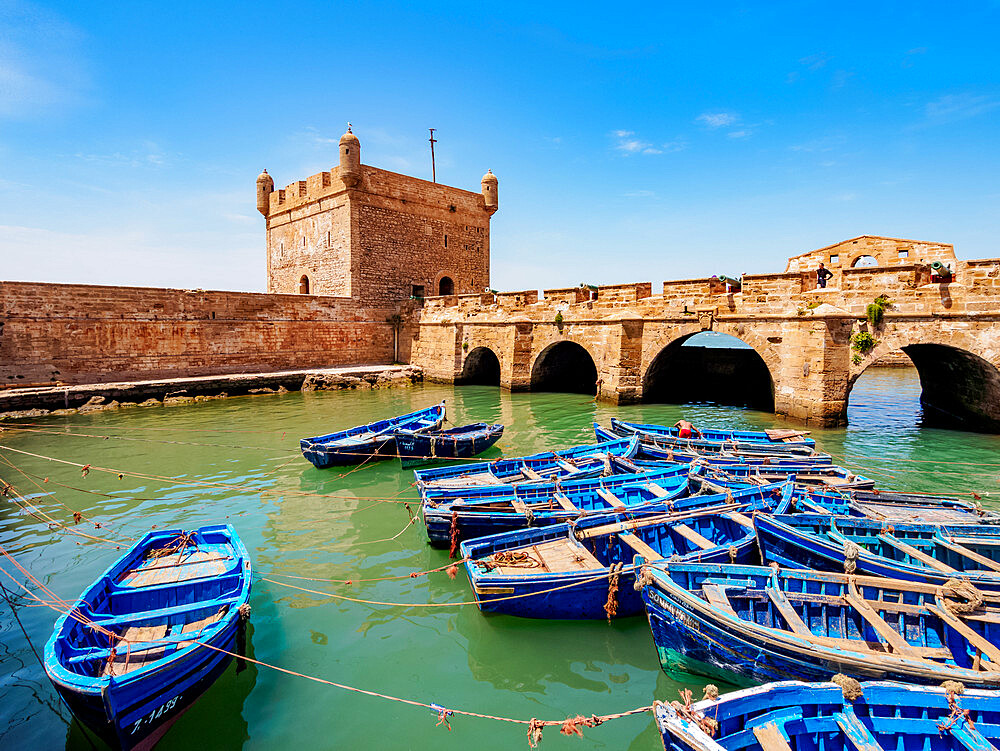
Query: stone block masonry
x=72, y=334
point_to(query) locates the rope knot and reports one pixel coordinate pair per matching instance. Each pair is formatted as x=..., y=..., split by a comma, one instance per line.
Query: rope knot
x=851, y=553
x=453, y=534
x=571, y=725
x=954, y=590
x=611, y=606
x=535, y=732
x=244, y=611
x=850, y=687
x=644, y=579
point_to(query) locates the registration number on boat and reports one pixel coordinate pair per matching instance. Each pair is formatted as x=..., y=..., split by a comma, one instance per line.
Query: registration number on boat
x=155, y=714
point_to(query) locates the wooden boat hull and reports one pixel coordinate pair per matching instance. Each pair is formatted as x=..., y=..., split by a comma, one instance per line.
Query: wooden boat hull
x=706, y=446
x=694, y=635
x=453, y=518
x=130, y=698
x=550, y=591
x=711, y=434
x=716, y=477
x=886, y=715
x=793, y=542
x=458, y=443
x=892, y=506
x=372, y=441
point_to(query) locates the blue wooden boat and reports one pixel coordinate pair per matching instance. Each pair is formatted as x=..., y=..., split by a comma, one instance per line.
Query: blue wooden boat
x=793, y=715
x=376, y=439
x=564, y=570
x=701, y=446
x=715, y=477
x=892, y=506
x=415, y=447
x=567, y=464
x=763, y=624
x=712, y=454
x=927, y=553
x=450, y=518
x=766, y=437
x=129, y=657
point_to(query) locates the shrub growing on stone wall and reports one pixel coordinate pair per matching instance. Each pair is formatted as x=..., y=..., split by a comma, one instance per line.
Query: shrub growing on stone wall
x=876, y=309
x=863, y=342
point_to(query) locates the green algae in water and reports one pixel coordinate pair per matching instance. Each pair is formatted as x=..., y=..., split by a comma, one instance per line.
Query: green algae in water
x=301, y=521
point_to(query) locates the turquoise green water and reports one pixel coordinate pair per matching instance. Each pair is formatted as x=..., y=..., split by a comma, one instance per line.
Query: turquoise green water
x=318, y=523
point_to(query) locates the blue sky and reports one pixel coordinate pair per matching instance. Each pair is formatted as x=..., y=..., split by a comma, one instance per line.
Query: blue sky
x=632, y=142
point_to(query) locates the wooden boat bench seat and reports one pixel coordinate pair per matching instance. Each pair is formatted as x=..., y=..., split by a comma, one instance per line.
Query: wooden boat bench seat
x=531, y=474
x=565, y=502
x=656, y=490
x=562, y=555
x=610, y=497
x=171, y=569
x=127, y=660
x=716, y=595
x=689, y=534
x=639, y=546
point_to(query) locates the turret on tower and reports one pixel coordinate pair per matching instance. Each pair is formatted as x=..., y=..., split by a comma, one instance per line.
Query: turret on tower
x=489, y=185
x=350, y=159
x=265, y=186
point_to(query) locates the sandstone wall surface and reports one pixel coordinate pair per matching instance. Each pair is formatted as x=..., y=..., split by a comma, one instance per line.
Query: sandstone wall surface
x=69, y=333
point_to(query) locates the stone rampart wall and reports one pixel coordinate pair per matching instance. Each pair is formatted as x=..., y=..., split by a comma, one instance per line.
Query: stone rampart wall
x=70, y=333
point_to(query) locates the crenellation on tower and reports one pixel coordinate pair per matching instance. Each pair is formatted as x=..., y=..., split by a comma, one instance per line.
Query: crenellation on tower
x=377, y=236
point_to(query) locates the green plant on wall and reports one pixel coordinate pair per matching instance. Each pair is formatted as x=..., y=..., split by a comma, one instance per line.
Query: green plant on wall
x=875, y=311
x=863, y=342
x=465, y=345
x=559, y=320
x=856, y=358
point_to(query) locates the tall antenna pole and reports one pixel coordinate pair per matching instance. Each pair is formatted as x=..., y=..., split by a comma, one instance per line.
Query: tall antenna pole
x=433, y=166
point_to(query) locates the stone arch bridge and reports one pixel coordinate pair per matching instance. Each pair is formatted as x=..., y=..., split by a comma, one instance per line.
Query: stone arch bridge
x=622, y=342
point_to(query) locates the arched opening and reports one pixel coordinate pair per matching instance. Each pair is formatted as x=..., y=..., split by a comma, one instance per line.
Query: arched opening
x=957, y=388
x=864, y=262
x=948, y=387
x=446, y=286
x=564, y=366
x=304, y=285
x=709, y=367
x=481, y=367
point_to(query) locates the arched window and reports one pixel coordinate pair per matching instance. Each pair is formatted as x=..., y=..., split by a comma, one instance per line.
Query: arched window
x=304, y=285
x=446, y=286
x=864, y=262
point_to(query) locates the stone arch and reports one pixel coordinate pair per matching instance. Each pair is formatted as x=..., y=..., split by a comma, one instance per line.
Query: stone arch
x=960, y=386
x=446, y=286
x=304, y=285
x=738, y=377
x=482, y=367
x=564, y=366
x=866, y=260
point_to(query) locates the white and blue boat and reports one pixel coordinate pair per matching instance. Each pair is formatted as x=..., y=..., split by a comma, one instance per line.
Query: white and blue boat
x=663, y=437
x=760, y=624
x=928, y=553
x=818, y=716
x=152, y=633
x=715, y=477
x=465, y=441
x=573, y=463
x=565, y=570
x=376, y=439
x=451, y=517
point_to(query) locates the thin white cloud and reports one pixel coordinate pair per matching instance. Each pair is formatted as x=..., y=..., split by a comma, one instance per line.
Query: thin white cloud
x=815, y=62
x=953, y=107
x=718, y=119
x=739, y=134
x=628, y=143
x=148, y=154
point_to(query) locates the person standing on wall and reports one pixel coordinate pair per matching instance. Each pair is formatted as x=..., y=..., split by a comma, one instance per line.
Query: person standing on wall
x=822, y=274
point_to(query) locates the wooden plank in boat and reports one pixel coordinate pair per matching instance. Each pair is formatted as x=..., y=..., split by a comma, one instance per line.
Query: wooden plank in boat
x=918, y=555
x=126, y=661
x=531, y=474
x=196, y=626
x=859, y=736
x=171, y=569
x=689, y=534
x=564, y=555
x=565, y=502
x=610, y=497
x=739, y=518
x=783, y=606
x=865, y=608
x=657, y=490
x=566, y=466
x=972, y=636
x=770, y=738
x=972, y=555
x=519, y=506
x=716, y=595
x=639, y=546
x=786, y=435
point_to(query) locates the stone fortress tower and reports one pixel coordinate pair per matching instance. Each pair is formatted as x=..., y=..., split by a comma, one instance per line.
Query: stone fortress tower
x=375, y=236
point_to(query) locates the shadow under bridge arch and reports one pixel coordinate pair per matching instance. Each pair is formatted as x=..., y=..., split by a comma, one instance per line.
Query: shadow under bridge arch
x=564, y=366
x=481, y=367
x=709, y=367
x=957, y=388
